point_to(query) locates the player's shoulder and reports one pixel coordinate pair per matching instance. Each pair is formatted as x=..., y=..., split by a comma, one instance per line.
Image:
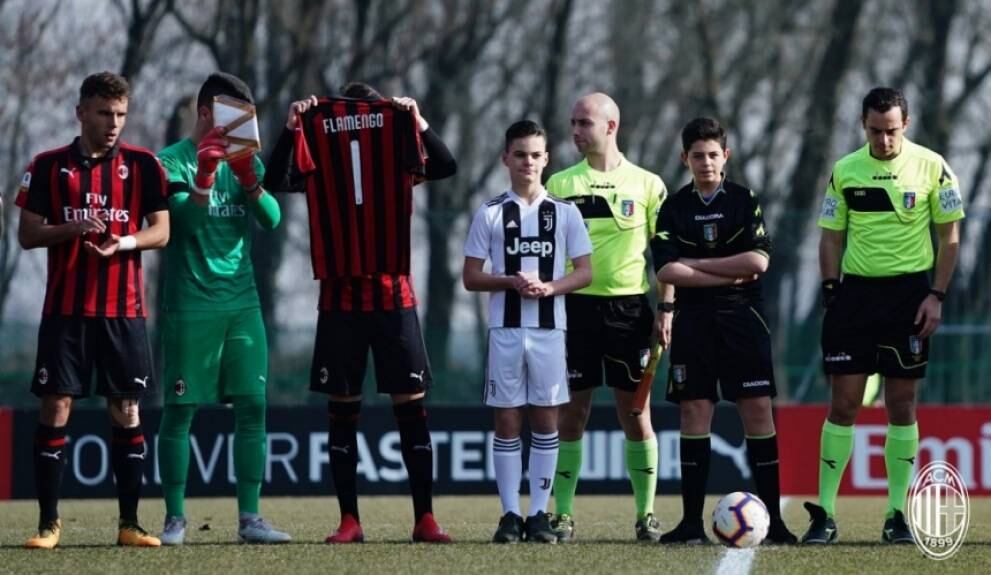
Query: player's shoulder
x=639, y=171
x=173, y=150
x=923, y=154
x=737, y=190
x=51, y=154
x=558, y=182
x=139, y=153
x=496, y=201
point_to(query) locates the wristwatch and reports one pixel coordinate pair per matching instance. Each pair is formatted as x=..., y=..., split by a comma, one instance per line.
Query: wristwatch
x=940, y=295
x=665, y=306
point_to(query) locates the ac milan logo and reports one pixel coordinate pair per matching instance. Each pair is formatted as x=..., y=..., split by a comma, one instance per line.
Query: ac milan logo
x=939, y=510
x=324, y=375
x=122, y=172
x=42, y=376
x=180, y=388
x=679, y=373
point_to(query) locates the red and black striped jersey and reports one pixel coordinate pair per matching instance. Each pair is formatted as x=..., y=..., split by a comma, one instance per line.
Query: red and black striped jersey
x=121, y=188
x=380, y=292
x=361, y=160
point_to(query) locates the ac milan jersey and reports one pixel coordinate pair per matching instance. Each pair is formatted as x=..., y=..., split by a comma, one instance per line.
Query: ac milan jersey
x=361, y=158
x=538, y=238
x=120, y=188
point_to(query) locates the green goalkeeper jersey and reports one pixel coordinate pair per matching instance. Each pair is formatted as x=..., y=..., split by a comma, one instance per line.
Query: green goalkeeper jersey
x=208, y=258
x=620, y=211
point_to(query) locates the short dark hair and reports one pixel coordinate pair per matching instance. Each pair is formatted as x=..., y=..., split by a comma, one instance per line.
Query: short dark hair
x=524, y=129
x=882, y=99
x=106, y=85
x=223, y=84
x=361, y=91
x=702, y=129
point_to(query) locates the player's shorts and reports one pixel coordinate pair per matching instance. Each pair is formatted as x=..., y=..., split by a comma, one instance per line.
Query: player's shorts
x=720, y=353
x=340, y=356
x=870, y=328
x=526, y=366
x=70, y=348
x=611, y=334
x=211, y=357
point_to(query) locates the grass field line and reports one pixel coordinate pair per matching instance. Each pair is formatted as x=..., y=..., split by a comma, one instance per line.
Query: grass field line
x=739, y=561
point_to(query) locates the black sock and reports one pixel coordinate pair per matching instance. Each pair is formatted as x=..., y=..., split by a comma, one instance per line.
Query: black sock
x=762, y=455
x=127, y=452
x=695, y=455
x=49, y=461
x=418, y=454
x=344, y=454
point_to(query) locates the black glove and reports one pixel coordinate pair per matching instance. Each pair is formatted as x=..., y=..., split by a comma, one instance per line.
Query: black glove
x=830, y=291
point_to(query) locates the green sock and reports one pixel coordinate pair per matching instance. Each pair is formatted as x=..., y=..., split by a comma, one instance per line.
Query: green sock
x=834, y=454
x=641, y=464
x=899, y=459
x=569, y=464
x=173, y=455
x=249, y=450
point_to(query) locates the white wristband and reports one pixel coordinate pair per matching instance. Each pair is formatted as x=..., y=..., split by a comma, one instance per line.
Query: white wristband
x=127, y=243
x=201, y=191
x=422, y=125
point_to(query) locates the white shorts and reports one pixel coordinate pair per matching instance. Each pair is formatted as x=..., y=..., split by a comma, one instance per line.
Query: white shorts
x=527, y=366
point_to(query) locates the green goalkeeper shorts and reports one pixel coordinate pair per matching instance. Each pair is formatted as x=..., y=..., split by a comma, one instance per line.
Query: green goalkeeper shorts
x=213, y=356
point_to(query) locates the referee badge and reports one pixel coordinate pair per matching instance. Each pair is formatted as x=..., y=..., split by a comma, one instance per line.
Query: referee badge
x=908, y=200
x=915, y=345
x=627, y=208
x=710, y=232
x=679, y=373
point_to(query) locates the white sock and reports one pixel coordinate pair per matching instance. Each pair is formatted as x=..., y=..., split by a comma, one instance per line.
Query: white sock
x=543, y=460
x=508, y=457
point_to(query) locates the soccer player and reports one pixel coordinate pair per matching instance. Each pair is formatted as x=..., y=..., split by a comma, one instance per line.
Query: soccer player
x=528, y=236
x=712, y=245
x=610, y=322
x=85, y=202
x=213, y=336
x=880, y=305
x=360, y=156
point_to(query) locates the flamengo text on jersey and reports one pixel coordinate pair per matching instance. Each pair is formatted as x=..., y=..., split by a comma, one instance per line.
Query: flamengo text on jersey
x=353, y=122
x=105, y=214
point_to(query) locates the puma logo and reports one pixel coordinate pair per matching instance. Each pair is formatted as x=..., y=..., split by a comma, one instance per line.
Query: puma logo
x=565, y=474
x=909, y=460
x=418, y=376
x=142, y=382
x=339, y=448
x=426, y=447
x=67, y=171
x=136, y=455
x=647, y=470
x=51, y=454
x=830, y=462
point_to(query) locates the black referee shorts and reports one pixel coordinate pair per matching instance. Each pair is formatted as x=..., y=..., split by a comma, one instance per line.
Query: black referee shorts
x=70, y=348
x=720, y=353
x=870, y=328
x=610, y=334
x=340, y=356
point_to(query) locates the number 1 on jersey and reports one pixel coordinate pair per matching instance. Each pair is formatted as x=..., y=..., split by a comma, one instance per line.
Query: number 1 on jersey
x=356, y=171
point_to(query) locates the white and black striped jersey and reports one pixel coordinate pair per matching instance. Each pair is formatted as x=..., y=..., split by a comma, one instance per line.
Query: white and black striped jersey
x=537, y=238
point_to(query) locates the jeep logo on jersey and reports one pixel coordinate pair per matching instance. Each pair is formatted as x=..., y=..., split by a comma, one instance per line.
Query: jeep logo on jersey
x=908, y=200
x=710, y=232
x=530, y=247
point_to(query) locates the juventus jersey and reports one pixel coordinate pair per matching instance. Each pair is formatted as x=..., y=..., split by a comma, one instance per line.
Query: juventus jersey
x=537, y=238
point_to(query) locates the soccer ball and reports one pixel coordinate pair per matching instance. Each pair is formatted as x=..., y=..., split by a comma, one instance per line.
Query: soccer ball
x=740, y=520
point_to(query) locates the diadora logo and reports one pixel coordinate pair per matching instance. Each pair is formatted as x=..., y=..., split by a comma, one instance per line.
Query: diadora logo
x=530, y=247
x=603, y=186
x=884, y=177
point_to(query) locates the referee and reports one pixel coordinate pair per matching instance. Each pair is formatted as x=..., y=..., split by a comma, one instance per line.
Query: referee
x=713, y=246
x=880, y=305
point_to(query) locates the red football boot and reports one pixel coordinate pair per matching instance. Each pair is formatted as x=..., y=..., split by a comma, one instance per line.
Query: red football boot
x=349, y=531
x=427, y=531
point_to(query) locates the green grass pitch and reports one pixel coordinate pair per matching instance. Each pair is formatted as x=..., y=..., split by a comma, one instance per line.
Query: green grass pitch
x=604, y=529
